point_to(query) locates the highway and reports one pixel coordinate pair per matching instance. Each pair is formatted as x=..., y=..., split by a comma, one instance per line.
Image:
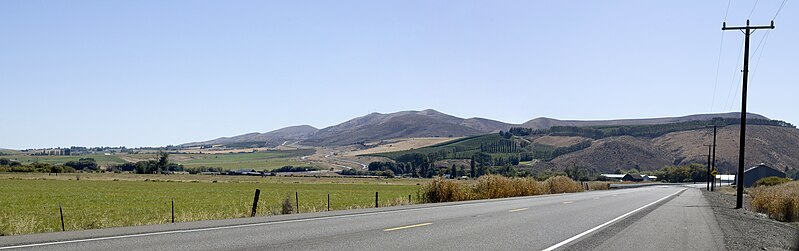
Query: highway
x=659, y=217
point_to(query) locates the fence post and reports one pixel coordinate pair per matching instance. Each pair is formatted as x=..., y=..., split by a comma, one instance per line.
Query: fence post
x=297, y=200
x=375, y=199
x=173, y=210
x=255, y=202
x=328, y=202
x=61, y=211
x=409, y=200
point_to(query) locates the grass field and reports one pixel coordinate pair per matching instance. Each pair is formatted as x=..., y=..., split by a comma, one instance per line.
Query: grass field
x=263, y=160
x=31, y=201
x=258, y=160
x=102, y=160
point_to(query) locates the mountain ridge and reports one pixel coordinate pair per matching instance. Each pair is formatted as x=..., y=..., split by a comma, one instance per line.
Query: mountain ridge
x=425, y=123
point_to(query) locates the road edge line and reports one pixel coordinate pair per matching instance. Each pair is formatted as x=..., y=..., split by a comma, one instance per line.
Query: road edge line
x=567, y=241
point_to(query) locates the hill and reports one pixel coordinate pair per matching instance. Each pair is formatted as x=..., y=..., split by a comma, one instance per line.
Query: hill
x=405, y=124
x=643, y=147
x=546, y=123
x=772, y=145
x=269, y=139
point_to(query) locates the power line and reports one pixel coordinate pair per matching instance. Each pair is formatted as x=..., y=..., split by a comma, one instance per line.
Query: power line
x=753, y=10
x=718, y=62
x=734, y=79
x=760, y=44
x=728, y=10
x=778, y=10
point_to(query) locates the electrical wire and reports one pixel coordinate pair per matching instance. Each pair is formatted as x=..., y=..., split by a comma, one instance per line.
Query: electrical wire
x=718, y=62
x=753, y=10
x=778, y=10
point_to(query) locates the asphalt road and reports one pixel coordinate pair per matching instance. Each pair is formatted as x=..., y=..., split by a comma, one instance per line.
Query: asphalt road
x=656, y=217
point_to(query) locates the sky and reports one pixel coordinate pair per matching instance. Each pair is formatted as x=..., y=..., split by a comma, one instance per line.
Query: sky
x=154, y=73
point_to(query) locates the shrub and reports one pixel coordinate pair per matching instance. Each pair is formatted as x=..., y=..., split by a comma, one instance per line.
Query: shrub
x=562, y=184
x=442, y=190
x=598, y=185
x=771, y=181
x=286, y=206
x=496, y=186
x=779, y=202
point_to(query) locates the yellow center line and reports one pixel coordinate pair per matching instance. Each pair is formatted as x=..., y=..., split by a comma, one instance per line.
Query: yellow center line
x=405, y=227
x=517, y=210
x=568, y=202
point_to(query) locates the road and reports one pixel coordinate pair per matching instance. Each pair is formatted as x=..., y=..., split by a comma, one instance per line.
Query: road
x=656, y=217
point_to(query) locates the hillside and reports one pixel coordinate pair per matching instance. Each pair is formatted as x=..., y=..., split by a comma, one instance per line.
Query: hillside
x=775, y=146
x=405, y=124
x=545, y=123
x=269, y=139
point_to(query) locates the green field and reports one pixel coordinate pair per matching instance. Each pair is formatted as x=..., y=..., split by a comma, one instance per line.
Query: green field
x=264, y=160
x=259, y=160
x=102, y=160
x=30, y=202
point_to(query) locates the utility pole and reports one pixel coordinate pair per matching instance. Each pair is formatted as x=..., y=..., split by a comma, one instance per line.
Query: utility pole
x=747, y=30
x=713, y=181
x=708, y=167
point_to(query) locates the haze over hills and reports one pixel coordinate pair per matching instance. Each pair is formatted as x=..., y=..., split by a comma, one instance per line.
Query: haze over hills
x=426, y=123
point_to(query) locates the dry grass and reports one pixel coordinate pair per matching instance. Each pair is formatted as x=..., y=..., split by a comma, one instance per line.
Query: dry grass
x=562, y=184
x=780, y=202
x=599, y=185
x=396, y=145
x=494, y=186
x=442, y=190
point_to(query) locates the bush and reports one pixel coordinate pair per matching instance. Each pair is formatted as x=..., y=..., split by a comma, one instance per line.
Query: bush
x=286, y=206
x=442, y=190
x=771, y=181
x=779, y=202
x=598, y=185
x=496, y=186
x=562, y=184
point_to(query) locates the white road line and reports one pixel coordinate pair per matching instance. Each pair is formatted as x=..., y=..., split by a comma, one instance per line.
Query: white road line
x=560, y=244
x=406, y=227
x=517, y=210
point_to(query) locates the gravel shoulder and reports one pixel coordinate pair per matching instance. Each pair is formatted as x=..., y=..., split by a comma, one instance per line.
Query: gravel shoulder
x=746, y=230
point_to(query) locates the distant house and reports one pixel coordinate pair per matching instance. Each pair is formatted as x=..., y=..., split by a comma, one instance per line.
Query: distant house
x=633, y=177
x=612, y=176
x=753, y=174
x=650, y=178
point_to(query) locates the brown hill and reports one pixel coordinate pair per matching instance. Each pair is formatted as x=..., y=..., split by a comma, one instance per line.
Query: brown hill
x=544, y=123
x=269, y=139
x=405, y=124
x=775, y=146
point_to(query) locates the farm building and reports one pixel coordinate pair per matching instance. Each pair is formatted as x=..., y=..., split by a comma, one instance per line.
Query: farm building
x=753, y=174
x=612, y=176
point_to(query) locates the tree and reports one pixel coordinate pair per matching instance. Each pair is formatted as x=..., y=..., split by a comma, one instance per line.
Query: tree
x=471, y=165
x=453, y=172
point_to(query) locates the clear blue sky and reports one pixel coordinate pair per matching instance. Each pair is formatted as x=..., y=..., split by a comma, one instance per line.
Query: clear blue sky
x=152, y=73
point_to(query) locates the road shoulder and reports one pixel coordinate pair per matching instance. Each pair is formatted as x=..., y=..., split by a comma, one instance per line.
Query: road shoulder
x=745, y=230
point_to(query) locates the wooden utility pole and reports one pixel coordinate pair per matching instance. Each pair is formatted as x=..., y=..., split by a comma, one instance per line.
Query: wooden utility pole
x=747, y=30
x=713, y=181
x=708, y=180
